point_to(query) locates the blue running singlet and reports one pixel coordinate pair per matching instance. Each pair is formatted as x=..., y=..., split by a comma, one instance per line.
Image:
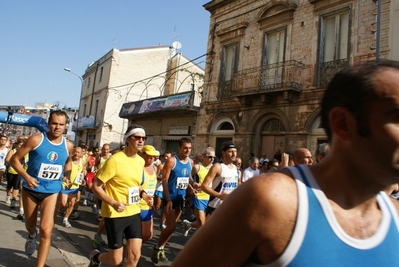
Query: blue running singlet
x=319, y=240
x=46, y=164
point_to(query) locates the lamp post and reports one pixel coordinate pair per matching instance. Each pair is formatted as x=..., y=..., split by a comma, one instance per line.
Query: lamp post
x=81, y=91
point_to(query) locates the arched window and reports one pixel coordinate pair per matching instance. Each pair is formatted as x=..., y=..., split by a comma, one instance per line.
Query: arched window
x=226, y=126
x=273, y=126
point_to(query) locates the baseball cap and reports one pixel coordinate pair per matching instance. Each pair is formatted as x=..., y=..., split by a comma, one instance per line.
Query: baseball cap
x=150, y=150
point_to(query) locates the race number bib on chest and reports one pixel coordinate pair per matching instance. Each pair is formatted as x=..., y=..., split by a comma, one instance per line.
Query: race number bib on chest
x=50, y=171
x=78, y=179
x=134, y=195
x=182, y=182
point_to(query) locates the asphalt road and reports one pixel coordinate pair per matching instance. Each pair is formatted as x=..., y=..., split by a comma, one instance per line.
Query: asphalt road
x=82, y=232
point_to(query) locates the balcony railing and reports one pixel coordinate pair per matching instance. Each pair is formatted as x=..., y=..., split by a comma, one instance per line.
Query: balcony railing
x=329, y=69
x=271, y=78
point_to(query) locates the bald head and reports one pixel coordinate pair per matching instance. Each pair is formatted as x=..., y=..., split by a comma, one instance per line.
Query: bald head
x=303, y=156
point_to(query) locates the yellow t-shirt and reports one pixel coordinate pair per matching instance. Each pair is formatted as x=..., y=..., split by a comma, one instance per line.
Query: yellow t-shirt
x=76, y=175
x=150, y=182
x=122, y=176
x=202, y=174
x=24, y=164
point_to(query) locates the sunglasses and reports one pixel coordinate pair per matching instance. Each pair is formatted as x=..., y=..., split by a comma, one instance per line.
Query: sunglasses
x=137, y=138
x=211, y=157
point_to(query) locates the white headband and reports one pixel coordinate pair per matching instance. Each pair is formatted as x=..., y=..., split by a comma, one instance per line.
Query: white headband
x=133, y=131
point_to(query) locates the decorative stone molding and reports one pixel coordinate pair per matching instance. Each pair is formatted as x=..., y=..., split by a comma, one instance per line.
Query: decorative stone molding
x=276, y=14
x=232, y=32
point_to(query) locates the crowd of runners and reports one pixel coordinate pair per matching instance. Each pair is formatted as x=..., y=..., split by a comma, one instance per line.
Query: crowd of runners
x=126, y=186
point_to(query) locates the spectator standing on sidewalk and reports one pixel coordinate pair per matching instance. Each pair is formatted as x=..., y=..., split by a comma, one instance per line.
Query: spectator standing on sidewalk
x=49, y=164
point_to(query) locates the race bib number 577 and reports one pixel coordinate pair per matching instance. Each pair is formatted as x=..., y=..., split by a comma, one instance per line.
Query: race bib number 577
x=50, y=171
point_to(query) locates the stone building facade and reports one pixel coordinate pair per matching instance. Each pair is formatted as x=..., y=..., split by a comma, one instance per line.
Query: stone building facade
x=126, y=76
x=269, y=62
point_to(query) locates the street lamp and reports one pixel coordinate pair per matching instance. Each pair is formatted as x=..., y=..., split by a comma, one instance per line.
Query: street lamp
x=81, y=91
x=80, y=77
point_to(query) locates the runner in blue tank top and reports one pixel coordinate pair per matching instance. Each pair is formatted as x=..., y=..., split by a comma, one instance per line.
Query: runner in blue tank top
x=49, y=164
x=334, y=213
x=175, y=180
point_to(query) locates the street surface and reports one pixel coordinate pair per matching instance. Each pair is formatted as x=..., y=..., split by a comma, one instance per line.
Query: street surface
x=70, y=246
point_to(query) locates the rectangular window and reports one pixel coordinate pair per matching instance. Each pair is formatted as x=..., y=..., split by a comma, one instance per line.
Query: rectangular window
x=84, y=110
x=334, y=37
x=101, y=74
x=95, y=110
x=274, y=47
x=228, y=67
x=88, y=82
x=229, y=61
x=273, y=58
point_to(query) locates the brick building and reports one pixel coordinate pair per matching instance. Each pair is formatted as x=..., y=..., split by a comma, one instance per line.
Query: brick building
x=270, y=61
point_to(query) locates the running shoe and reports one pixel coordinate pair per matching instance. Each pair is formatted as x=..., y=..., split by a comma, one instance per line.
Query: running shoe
x=98, y=241
x=74, y=216
x=20, y=216
x=84, y=202
x=186, y=227
x=92, y=254
x=158, y=255
x=12, y=204
x=8, y=200
x=30, y=245
x=162, y=256
x=66, y=224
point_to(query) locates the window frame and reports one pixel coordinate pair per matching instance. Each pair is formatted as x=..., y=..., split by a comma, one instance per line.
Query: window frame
x=322, y=34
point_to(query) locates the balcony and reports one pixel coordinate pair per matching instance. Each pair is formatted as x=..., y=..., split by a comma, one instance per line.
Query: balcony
x=328, y=70
x=86, y=123
x=278, y=77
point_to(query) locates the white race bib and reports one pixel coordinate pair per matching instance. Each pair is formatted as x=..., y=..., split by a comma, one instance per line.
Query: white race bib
x=182, y=182
x=50, y=171
x=134, y=195
x=78, y=179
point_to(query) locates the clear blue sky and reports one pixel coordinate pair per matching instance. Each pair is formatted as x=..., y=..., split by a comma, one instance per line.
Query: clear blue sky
x=40, y=38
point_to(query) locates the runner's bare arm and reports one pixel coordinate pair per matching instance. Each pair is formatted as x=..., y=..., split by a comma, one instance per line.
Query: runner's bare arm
x=19, y=155
x=214, y=171
x=254, y=223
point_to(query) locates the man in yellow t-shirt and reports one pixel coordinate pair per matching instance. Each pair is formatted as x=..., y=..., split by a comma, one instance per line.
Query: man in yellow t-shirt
x=123, y=175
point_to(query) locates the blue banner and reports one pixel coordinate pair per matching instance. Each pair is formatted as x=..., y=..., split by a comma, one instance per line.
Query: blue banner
x=25, y=120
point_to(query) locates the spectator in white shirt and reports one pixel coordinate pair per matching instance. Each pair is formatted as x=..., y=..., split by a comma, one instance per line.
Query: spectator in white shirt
x=252, y=170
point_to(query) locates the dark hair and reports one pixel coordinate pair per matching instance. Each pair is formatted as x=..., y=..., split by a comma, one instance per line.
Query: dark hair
x=184, y=140
x=83, y=146
x=227, y=145
x=354, y=89
x=57, y=113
